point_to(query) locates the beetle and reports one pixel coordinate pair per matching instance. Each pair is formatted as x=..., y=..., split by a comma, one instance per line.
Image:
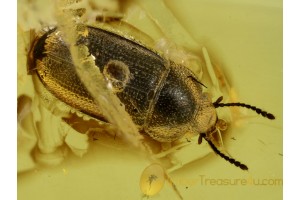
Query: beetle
x=164, y=99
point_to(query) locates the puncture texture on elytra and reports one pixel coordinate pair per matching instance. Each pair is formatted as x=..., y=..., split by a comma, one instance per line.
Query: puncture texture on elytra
x=164, y=99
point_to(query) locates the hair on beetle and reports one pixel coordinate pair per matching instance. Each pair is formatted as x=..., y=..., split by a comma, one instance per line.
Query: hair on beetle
x=211, y=144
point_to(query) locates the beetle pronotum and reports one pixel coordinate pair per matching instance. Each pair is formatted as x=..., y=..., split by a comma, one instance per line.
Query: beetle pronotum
x=164, y=99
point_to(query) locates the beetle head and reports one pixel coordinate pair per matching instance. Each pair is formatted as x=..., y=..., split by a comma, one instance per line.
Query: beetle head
x=214, y=124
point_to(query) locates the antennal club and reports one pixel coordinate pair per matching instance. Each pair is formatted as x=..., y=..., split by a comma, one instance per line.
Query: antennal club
x=257, y=110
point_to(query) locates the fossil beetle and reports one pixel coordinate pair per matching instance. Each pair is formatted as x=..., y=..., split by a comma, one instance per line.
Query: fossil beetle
x=164, y=99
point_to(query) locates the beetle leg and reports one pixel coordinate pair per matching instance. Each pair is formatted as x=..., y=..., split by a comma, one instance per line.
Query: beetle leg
x=221, y=141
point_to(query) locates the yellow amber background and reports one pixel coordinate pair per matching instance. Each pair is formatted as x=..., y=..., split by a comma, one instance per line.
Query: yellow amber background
x=245, y=39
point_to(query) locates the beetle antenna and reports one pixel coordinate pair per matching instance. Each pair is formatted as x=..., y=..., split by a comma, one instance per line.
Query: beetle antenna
x=257, y=110
x=227, y=158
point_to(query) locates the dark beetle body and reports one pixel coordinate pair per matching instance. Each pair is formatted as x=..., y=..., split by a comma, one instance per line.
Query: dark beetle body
x=164, y=99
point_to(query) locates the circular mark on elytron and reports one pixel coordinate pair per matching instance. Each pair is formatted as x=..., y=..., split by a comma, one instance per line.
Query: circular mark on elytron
x=117, y=73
